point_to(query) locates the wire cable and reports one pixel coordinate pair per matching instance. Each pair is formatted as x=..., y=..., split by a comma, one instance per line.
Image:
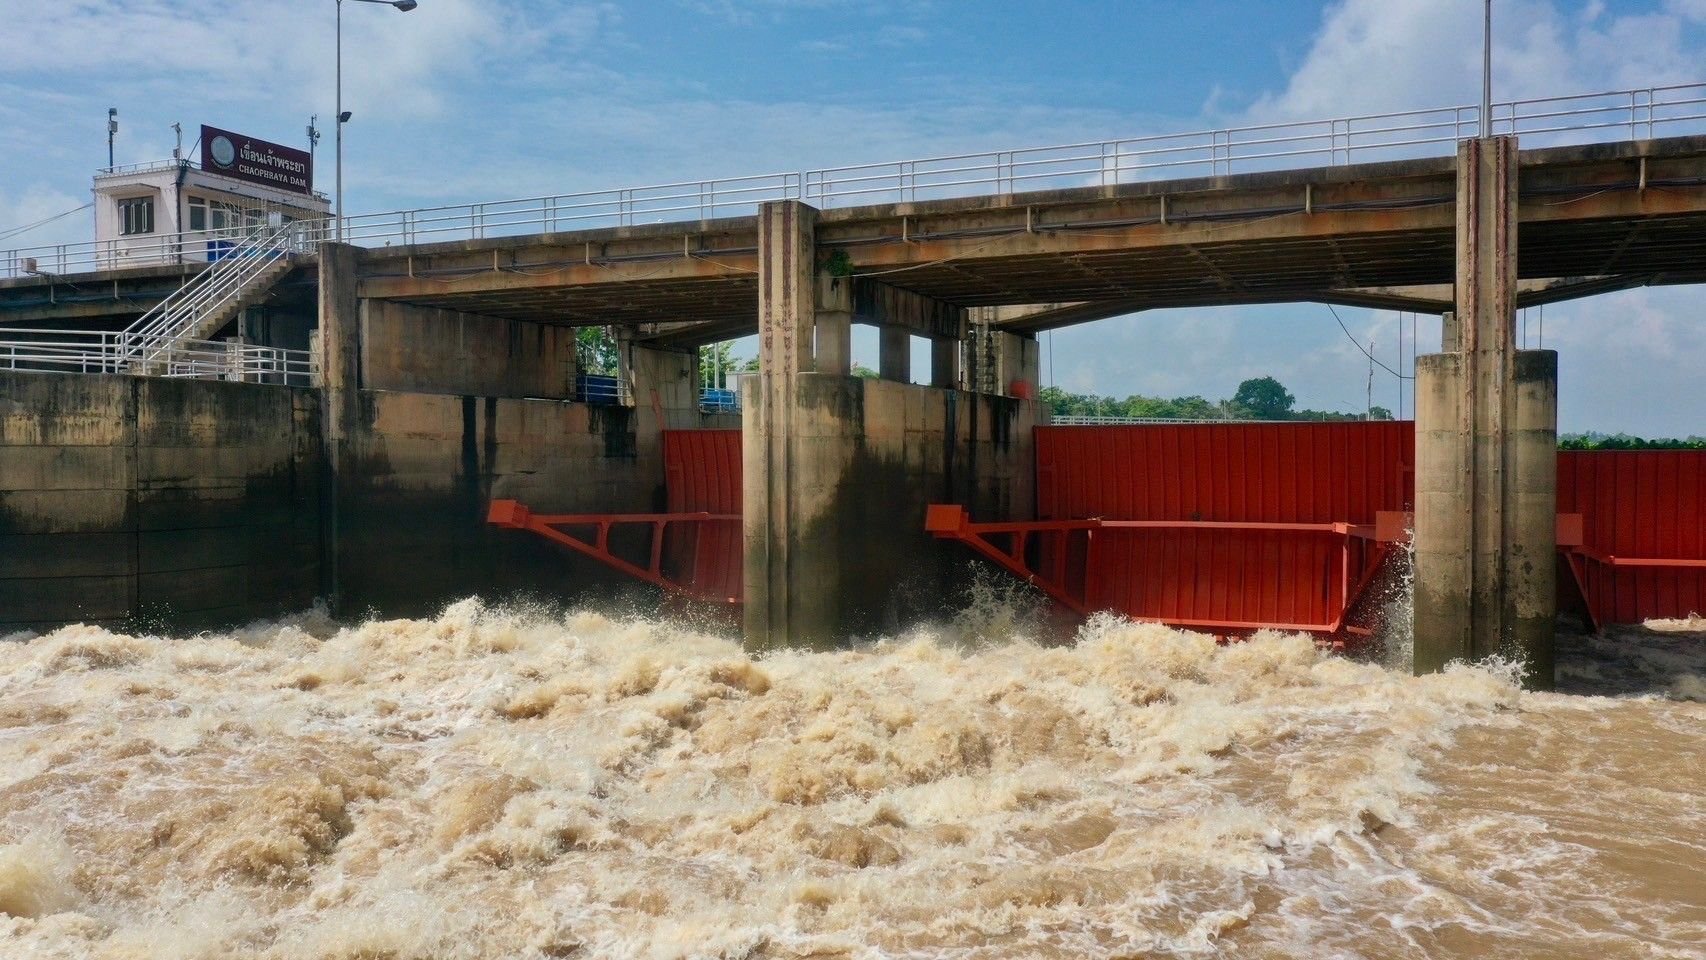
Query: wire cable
x=1372, y=358
x=8, y=234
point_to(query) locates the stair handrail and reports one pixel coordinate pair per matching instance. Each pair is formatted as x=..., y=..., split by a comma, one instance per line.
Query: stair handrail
x=177, y=315
x=153, y=321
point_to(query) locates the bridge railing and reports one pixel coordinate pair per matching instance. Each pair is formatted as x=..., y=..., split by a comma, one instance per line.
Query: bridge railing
x=96, y=351
x=625, y=207
x=1633, y=114
x=1583, y=118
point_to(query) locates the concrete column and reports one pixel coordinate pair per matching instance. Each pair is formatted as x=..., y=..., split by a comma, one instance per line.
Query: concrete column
x=1450, y=333
x=1016, y=364
x=834, y=325
x=894, y=357
x=340, y=391
x=1486, y=449
x=774, y=611
x=945, y=363
x=664, y=382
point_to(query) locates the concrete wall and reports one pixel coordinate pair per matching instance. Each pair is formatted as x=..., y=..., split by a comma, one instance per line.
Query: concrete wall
x=868, y=457
x=427, y=350
x=420, y=470
x=192, y=502
x=197, y=503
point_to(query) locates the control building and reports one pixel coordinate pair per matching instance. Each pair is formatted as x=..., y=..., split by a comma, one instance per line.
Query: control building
x=179, y=210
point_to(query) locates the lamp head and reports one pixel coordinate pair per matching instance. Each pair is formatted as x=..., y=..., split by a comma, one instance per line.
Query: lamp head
x=404, y=6
x=344, y=117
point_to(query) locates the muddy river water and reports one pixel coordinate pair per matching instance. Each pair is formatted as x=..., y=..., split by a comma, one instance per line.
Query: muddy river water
x=493, y=783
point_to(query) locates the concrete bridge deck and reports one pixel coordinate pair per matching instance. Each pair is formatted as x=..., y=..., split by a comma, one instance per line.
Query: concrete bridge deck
x=1591, y=218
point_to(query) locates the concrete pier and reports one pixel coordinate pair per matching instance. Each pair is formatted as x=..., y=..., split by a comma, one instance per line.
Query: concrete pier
x=1486, y=449
x=894, y=356
x=839, y=469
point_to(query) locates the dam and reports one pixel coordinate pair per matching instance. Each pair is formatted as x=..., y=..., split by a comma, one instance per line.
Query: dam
x=350, y=614
x=400, y=384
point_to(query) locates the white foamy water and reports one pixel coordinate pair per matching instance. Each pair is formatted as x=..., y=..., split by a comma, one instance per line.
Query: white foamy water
x=495, y=784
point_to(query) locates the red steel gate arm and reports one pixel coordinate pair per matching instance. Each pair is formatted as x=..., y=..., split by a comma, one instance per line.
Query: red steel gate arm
x=512, y=514
x=950, y=521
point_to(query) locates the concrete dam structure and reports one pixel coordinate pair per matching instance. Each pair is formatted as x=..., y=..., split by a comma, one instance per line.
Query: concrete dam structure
x=444, y=378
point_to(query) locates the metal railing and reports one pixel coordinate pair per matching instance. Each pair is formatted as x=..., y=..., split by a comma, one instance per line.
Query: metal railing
x=1078, y=420
x=173, y=163
x=603, y=391
x=718, y=400
x=188, y=247
x=94, y=351
x=209, y=293
x=1634, y=114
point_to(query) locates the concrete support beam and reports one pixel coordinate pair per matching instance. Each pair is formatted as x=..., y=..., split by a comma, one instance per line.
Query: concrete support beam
x=665, y=385
x=1017, y=364
x=998, y=361
x=775, y=611
x=340, y=386
x=430, y=350
x=834, y=323
x=882, y=305
x=894, y=356
x=838, y=470
x=1486, y=450
x=945, y=363
x=1450, y=333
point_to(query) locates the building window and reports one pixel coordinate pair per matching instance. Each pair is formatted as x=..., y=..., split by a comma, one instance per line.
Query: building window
x=136, y=216
x=198, y=213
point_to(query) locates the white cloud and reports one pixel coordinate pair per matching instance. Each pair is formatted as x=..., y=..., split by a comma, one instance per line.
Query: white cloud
x=1387, y=55
x=408, y=63
x=1629, y=361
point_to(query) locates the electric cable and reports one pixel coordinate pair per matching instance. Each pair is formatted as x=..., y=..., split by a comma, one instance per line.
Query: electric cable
x=1372, y=358
x=14, y=231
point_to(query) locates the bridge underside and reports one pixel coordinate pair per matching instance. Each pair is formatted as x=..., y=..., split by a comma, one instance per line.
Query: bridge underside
x=1591, y=219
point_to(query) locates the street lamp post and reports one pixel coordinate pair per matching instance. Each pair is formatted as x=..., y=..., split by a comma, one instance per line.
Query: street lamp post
x=342, y=117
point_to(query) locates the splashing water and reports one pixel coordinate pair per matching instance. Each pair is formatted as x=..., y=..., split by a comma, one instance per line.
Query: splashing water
x=495, y=783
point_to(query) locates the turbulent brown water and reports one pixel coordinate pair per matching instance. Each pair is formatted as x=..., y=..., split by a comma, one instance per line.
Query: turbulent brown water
x=495, y=784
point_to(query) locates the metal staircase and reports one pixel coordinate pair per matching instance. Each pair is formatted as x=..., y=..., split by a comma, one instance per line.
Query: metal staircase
x=241, y=276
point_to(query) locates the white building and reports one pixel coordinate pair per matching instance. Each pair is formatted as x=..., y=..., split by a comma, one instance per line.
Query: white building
x=178, y=210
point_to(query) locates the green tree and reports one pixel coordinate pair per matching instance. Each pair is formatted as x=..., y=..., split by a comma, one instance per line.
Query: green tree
x=717, y=361
x=595, y=351
x=1265, y=399
x=1379, y=413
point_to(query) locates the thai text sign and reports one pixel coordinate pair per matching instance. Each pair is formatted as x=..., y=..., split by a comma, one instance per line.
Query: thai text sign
x=257, y=161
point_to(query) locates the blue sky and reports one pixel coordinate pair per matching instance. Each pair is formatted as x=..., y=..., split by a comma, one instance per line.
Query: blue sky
x=464, y=100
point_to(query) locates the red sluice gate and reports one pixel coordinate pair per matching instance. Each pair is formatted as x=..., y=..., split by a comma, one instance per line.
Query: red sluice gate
x=1221, y=527
x=694, y=548
x=1642, y=549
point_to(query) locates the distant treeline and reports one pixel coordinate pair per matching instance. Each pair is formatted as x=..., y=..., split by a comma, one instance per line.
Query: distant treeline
x=1623, y=441
x=1262, y=398
x=1265, y=398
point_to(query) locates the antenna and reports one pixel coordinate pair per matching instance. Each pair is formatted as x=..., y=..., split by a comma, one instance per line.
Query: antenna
x=313, y=135
x=112, y=130
x=1368, y=405
x=1487, y=70
x=178, y=151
